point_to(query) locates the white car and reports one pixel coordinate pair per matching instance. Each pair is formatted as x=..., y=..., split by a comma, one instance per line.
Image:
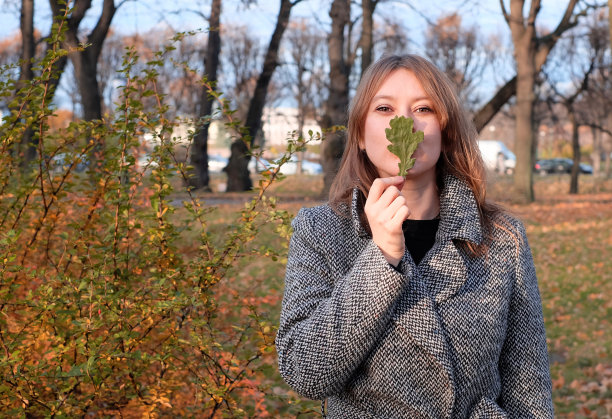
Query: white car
x=497, y=157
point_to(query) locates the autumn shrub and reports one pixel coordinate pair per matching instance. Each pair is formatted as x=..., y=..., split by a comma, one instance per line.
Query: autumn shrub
x=102, y=312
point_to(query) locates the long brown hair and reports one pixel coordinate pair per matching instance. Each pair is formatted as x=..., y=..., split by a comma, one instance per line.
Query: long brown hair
x=459, y=156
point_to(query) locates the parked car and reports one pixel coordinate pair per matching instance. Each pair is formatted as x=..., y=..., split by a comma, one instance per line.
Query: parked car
x=559, y=165
x=497, y=157
x=587, y=169
x=551, y=166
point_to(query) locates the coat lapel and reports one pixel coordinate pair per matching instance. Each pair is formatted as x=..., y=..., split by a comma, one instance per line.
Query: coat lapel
x=445, y=270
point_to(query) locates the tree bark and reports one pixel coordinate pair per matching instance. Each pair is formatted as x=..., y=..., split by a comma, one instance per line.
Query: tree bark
x=524, y=40
x=597, y=151
x=530, y=53
x=26, y=73
x=199, y=153
x=337, y=101
x=575, y=154
x=485, y=114
x=86, y=62
x=238, y=178
x=608, y=151
x=367, y=32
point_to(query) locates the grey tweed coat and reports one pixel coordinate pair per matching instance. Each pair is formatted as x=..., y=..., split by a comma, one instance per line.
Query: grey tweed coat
x=457, y=336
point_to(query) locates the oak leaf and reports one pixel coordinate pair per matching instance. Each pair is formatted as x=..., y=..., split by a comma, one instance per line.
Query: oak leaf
x=404, y=141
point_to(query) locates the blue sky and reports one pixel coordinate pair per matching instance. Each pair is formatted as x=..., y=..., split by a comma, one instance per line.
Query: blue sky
x=141, y=15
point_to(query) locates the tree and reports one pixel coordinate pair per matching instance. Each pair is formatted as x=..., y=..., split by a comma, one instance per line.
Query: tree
x=530, y=53
x=367, y=32
x=241, y=59
x=542, y=44
x=595, y=104
x=458, y=52
x=390, y=37
x=338, y=99
x=609, y=149
x=199, y=152
x=302, y=76
x=26, y=72
x=85, y=62
x=238, y=178
x=579, y=74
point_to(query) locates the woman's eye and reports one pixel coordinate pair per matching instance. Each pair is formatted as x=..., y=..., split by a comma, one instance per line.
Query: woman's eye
x=422, y=109
x=383, y=108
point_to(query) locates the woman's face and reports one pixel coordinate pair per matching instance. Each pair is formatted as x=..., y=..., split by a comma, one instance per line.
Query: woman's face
x=402, y=94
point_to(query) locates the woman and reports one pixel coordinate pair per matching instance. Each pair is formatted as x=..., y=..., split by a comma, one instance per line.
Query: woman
x=413, y=297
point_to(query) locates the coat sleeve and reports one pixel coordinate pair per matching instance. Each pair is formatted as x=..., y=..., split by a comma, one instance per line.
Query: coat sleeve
x=328, y=325
x=524, y=369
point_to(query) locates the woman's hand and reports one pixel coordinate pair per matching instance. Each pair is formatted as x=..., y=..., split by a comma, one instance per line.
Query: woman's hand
x=386, y=210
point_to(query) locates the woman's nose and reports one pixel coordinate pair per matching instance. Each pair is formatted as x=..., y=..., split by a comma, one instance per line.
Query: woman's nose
x=418, y=124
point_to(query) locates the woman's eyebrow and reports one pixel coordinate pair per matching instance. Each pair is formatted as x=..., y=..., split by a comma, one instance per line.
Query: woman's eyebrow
x=377, y=97
x=391, y=97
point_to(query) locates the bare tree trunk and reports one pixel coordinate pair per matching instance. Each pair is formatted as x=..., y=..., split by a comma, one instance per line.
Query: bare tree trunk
x=524, y=39
x=28, y=146
x=610, y=22
x=238, y=178
x=608, y=151
x=337, y=101
x=199, y=153
x=86, y=62
x=530, y=53
x=597, y=151
x=27, y=40
x=86, y=75
x=367, y=32
x=608, y=159
x=575, y=154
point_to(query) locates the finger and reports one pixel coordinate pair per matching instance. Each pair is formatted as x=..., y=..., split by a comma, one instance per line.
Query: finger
x=381, y=184
x=396, y=204
x=388, y=197
x=400, y=216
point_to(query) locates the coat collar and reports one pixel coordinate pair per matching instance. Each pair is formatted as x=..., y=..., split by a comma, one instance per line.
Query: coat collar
x=459, y=215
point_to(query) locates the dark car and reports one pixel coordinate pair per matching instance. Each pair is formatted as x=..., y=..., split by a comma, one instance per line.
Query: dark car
x=549, y=166
x=559, y=165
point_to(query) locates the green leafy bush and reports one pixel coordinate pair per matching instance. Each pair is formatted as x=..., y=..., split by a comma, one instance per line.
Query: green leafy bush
x=114, y=298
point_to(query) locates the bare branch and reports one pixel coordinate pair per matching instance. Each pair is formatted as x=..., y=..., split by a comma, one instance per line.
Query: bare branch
x=504, y=12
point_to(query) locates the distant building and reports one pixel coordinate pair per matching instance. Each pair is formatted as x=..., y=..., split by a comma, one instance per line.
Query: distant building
x=279, y=123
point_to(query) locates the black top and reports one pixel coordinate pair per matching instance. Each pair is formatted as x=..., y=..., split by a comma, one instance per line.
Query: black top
x=420, y=236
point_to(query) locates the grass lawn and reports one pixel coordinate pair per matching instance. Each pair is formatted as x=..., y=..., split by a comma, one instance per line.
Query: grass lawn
x=571, y=240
